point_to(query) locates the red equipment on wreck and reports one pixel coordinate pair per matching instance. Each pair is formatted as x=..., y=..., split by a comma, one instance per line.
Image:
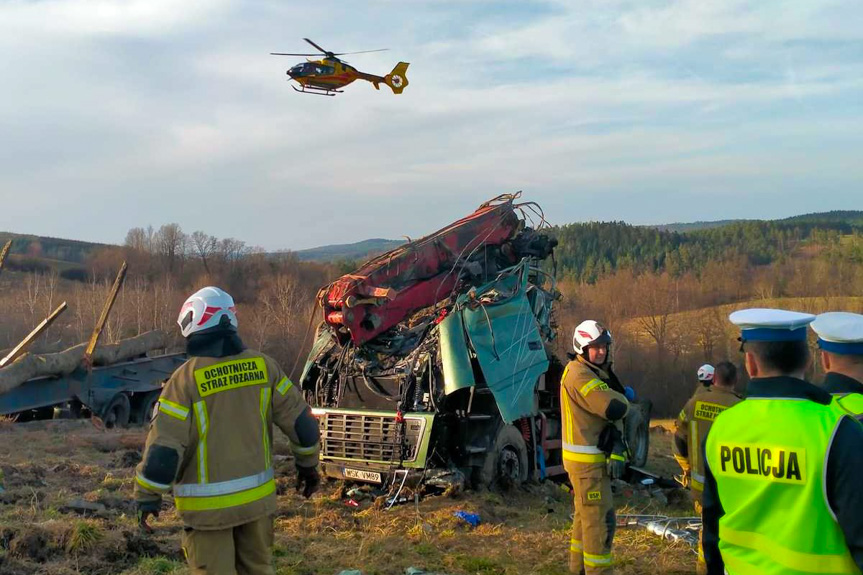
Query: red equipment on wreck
x=416, y=275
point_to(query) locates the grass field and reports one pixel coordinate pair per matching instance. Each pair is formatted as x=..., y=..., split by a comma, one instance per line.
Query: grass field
x=48, y=465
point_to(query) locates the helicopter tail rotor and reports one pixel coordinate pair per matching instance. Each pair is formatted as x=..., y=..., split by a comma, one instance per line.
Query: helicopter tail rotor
x=397, y=80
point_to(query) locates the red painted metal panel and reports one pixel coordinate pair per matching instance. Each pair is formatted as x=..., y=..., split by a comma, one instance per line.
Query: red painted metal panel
x=387, y=289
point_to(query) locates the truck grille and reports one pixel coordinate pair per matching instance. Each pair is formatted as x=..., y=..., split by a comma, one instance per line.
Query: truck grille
x=369, y=437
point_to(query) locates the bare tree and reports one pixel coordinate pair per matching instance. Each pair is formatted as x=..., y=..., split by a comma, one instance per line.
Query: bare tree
x=171, y=245
x=137, y=239
x=204, y=246
x=657, y=299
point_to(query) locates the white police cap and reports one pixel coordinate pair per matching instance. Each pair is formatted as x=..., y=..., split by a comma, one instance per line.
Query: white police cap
x=760, y=324
x=840, y=332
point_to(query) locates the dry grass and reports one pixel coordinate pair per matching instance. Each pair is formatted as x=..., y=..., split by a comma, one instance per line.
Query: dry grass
x=524, y=531
x=804, y=304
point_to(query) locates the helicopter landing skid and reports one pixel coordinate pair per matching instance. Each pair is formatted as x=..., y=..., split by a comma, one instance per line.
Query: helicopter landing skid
x=316, y=91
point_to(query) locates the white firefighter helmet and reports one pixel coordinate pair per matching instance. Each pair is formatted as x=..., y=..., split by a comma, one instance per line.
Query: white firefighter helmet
x=589, y=332
x=705, y=373
x=205, y=309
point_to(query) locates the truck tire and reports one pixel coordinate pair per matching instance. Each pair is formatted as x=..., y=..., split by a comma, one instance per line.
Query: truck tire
x=637, y=429
x=117, y=412
x=142, y=410
x=506, y=463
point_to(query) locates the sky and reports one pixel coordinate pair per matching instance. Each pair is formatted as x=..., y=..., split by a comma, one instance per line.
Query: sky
x=116, y=114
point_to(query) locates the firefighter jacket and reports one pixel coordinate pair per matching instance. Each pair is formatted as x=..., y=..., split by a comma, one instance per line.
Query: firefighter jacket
x=212, y=434
x=692, y=425
x=588, y=405
x=847, y=391
x=781, y=492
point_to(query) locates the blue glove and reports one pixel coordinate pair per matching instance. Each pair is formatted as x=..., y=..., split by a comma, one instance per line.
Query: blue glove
x=629, y=393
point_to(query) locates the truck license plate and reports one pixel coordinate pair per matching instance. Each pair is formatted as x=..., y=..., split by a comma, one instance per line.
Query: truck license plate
x=362, y=475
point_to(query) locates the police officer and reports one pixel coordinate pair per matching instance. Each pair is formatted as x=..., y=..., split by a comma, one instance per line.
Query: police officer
x=692, y=425
x=211, y=439
x=840, y=337
x=781, y=492
x=593, y=404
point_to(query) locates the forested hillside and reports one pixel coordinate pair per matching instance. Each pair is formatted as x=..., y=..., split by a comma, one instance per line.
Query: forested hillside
x=590, y=250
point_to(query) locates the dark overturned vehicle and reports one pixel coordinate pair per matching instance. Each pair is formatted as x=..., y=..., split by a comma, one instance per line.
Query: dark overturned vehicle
x=434, y=361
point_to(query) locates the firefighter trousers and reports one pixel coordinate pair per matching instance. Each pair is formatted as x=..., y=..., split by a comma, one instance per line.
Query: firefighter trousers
x=243, y=550
x=593, y=522
x=701, y=565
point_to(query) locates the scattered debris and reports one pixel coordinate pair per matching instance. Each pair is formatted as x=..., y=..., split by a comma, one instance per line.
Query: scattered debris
x=671, y=528
x=83, y=507
x=408, y=571
x=471, y=518
x=452, y=481
x=660, y=496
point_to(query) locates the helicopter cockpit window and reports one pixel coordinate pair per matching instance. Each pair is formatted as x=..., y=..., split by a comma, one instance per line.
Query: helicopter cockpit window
x=324, y=70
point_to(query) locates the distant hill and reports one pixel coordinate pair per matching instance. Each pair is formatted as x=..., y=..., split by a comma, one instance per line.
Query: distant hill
x=45, y=254
x=852, y=217
x=356, y=251
x=693, y=226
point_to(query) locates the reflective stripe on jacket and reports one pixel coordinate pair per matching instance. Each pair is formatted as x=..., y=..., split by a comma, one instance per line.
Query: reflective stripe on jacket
x=217, y=414
x=768, y=459
x=695, y=420
x=584, y=399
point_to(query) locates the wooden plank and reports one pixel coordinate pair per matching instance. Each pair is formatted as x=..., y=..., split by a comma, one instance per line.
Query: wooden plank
x=5, y=252
x=45, y=324
x=103, y=319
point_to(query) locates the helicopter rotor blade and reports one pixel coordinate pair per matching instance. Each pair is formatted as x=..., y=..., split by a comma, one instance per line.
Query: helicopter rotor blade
x=361, y=52
x=285, y=54
x=316, y=46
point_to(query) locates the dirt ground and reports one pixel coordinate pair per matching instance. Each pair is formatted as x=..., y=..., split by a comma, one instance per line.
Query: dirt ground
x=67, y=509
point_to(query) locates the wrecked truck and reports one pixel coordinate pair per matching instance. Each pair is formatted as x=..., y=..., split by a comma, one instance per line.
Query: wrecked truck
x=434, y=361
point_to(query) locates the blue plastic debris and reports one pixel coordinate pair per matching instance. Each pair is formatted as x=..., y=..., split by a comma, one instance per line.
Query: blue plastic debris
x=471, y=518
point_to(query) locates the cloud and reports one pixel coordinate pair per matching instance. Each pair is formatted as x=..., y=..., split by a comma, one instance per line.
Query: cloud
x=124, y=114
x=87, y=18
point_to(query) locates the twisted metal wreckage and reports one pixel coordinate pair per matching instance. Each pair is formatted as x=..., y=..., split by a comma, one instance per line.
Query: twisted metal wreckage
x=433, y=362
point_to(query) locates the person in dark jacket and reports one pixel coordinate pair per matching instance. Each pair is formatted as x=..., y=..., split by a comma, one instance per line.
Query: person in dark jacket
x=783, y=466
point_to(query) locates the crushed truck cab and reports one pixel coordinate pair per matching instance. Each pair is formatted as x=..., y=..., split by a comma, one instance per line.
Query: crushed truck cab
x=434, y=361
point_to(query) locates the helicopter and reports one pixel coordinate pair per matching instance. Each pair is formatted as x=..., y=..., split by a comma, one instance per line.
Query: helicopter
x=325, y=77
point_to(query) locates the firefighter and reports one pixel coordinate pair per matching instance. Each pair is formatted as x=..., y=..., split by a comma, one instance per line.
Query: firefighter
x=705, y=380
x=691, y=427
x=783, y=466
x=696, y=417
x=593, y=405
x=211, y=440
x=840, y=337
x=705, y=376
